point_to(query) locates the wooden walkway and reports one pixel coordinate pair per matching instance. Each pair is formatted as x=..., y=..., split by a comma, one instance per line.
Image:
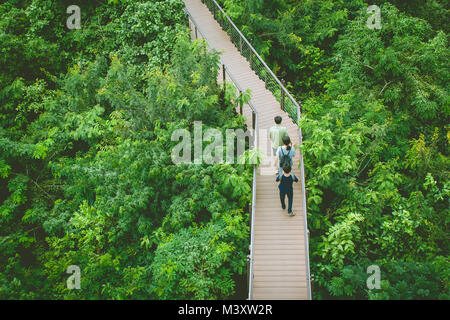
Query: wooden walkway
x=280, y=268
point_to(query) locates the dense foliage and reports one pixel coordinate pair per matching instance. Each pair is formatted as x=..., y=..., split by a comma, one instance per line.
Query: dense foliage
x=376, y=137
x=86, y=175
x=87, y=179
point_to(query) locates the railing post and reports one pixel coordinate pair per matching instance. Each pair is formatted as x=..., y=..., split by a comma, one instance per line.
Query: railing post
x=240, y=102
x=265, y=77
x=282, y=95
x=306, y=194
x=253, y=120
x=240, y=44
x=251, y=56
x=196, y=35
x=311, y=276
x=249, y=261
x=223, y=73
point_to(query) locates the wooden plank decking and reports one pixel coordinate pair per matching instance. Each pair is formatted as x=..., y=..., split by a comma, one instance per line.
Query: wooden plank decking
x=280, y=269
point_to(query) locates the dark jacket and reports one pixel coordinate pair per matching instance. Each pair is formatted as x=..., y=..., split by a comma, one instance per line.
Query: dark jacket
x=286, y=182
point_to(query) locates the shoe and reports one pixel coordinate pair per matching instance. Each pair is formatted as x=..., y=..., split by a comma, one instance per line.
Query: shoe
x=291, y=214
x=277, y=172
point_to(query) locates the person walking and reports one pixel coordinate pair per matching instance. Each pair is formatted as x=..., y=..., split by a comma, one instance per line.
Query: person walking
x=286, y=180
x=276, y=134
x=285, y=154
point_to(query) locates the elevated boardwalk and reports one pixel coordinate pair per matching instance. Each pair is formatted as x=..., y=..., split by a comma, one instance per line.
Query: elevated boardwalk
x=280, y=266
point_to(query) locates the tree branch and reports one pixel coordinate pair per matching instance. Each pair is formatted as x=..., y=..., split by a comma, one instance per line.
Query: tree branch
x=386, y=84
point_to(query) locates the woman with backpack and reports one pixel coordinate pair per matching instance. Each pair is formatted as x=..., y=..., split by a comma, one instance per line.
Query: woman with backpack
x=285, y=154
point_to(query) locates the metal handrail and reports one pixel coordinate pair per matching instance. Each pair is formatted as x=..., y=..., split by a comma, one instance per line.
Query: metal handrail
x=305, y=215
x=283, y=88
x=255, y=139
x=284, y=93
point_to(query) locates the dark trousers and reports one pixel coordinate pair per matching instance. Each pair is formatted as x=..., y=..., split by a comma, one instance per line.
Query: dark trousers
x=290, y=196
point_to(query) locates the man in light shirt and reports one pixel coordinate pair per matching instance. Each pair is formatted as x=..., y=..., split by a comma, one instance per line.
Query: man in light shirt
x=276, y=134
